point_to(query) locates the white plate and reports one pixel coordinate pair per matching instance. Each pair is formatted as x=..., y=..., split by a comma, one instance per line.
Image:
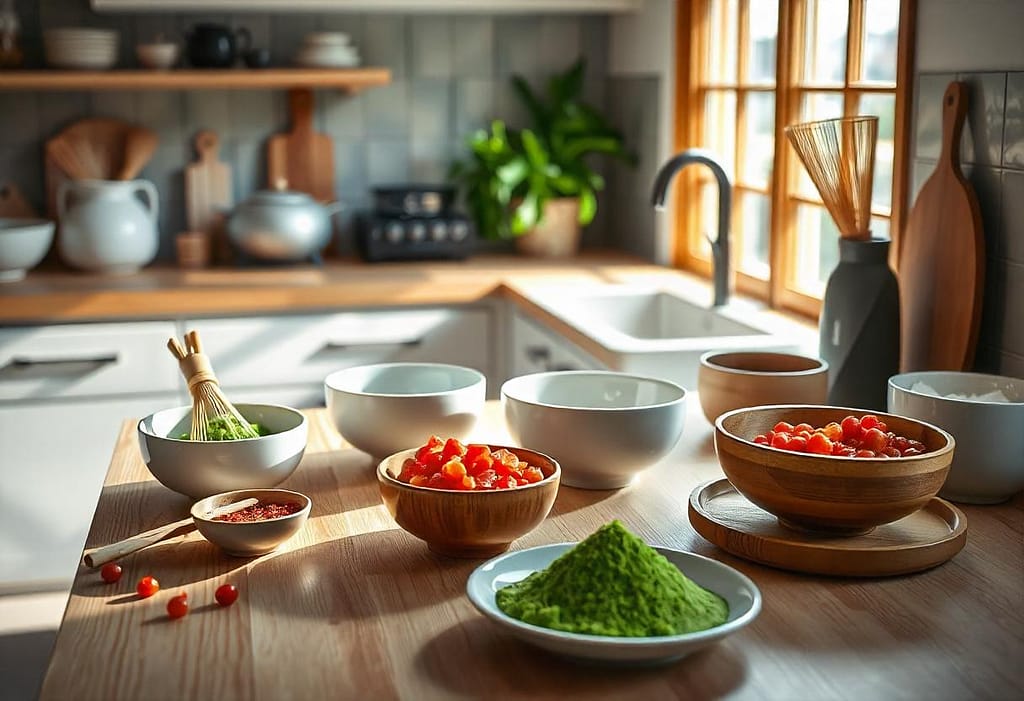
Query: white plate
x=738, y=590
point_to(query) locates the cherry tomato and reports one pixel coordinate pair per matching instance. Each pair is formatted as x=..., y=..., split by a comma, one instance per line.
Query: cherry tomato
x=820, y=444
x=178, y=605
x=147, y=586
x=803, y=428
x=868, y=421
x=797, y=443
x=111, y=572
x=833, y=431
x=783, y=427
x=780, y=440
x=226, y=594
x=761, y=439
x=851, y=427
x=875, y=440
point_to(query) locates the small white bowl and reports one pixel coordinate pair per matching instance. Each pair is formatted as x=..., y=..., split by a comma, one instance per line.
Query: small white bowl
x=201, y=468
x=382, y=409
x=158, y=56
x=251, y=538
x=988, y=464
x=738, y=590
x=23, y=244
x=604, y=428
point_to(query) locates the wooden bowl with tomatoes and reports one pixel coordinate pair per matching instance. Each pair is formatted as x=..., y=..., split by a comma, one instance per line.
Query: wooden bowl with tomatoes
x=471, y=500
x=852, y=471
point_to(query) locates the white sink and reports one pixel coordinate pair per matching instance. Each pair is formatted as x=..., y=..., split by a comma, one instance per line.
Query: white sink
x=658, y=333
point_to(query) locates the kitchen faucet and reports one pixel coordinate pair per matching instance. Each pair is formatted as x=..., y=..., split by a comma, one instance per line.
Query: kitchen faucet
x=720, y=245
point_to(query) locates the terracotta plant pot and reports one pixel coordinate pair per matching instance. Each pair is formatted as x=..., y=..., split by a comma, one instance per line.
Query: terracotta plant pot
x=558, y=233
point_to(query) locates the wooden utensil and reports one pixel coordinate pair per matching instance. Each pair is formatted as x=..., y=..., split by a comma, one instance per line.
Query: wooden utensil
x=207, y=185
x=139, y=145
x=942, y=259
x=302, y=158
x=13, y=203
x=114, y=551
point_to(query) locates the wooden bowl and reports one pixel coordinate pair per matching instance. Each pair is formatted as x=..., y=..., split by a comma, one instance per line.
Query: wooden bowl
x=732, y=380
x=472, y=524
x=830, y=494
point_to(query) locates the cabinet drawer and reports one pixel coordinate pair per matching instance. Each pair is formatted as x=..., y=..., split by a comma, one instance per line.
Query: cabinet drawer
x=84, y=360
x=285, y=350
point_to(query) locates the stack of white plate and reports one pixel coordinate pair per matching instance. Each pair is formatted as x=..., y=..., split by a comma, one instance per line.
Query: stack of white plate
x=327, y=50
x=80, y=48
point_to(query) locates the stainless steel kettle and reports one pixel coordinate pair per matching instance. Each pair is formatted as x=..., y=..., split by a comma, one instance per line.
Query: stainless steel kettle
x=281, y=225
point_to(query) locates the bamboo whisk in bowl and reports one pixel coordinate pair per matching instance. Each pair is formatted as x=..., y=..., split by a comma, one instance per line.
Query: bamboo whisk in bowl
x=839, y=155
x=208, y=401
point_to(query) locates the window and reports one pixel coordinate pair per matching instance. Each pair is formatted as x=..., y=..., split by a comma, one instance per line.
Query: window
x=747, y=68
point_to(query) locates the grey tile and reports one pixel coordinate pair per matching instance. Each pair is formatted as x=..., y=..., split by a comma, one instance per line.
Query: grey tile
x=163, y=112
x=340, y=115
x=386, y=110
x=475, y=106
x=560, y=41
x=59, y=109
x=430, y=109
x=473, y=47
x=254, y=114
x=1011, y=365
x=116, y=104
x=429, y=160
x=287, y=32
x=124, y=25
x=1012, y=201
x=207, y=109
x=1013, y=319
x=431, y=46
x=983, y=132
x=349, y=168
x=987, y=359
x=166, y=171
x=248, y=167
x=387, y=162
x=991, y=333
x=159, y=26
x=22, y=164
x=352, y=24
x=928, y=120
x=385, y=43
x=260, y=33
x=19, y=117
x=594, y=47
x=987, y=187
x=510, y=107
x=1013, y=129
x=517, y=46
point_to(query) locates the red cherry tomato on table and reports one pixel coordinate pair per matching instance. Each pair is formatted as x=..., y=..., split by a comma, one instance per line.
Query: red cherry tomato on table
x=147, y=586
x=226, y=594
x=178, y=605
x=111, y=572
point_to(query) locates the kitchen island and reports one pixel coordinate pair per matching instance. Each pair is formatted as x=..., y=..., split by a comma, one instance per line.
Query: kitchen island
x=354, y=607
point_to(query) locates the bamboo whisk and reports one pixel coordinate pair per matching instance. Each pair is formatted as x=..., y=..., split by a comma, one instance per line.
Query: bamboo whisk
x=839, y=155
x=208, y=402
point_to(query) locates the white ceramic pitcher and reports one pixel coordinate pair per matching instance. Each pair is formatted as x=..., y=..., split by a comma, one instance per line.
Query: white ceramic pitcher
x=105, y=227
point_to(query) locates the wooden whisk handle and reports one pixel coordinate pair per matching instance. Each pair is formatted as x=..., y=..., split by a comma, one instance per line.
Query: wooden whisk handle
x=197, y=369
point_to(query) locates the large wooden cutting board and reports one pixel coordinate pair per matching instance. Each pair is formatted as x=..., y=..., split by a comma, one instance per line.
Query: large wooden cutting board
x=207, y=185
x=942, y=259
x=302, y=159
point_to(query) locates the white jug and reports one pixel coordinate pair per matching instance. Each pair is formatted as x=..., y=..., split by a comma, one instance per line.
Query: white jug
x=104, y=226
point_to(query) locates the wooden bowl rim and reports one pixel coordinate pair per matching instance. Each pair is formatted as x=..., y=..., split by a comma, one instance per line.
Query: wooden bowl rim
x=301, y=513
x=554, y=477
x=707, y=361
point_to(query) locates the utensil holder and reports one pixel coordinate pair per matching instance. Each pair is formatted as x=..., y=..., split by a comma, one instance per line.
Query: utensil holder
x=194, y=249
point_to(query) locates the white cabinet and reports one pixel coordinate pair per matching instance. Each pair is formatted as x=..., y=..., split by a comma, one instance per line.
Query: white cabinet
x=64, y=393
x=535, y=348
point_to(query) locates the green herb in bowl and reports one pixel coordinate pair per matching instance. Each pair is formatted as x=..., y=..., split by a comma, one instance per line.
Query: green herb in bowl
x=228, y=428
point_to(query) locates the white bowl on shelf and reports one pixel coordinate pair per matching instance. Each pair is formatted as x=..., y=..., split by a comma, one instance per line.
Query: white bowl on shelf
x=158, y=55
x=23, y=244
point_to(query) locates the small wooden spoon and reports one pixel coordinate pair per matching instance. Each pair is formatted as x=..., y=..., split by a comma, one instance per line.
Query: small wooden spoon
x=109, y=553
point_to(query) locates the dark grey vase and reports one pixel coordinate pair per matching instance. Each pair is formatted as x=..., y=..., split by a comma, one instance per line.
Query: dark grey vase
x=860, y=325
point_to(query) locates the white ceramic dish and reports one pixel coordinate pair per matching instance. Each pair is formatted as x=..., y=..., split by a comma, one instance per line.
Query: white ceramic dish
x=988, y=463
x=158, y=56
x=23, y=244
x=201, y=468
x=604, y=428
x=382, y=409
x=251, y=538
x=328, y=57
x=738, y=590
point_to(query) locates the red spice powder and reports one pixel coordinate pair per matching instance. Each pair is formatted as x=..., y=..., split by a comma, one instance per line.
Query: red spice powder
x=261, y=512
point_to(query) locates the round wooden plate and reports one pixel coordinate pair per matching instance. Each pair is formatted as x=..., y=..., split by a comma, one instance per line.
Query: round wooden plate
x=916, y=542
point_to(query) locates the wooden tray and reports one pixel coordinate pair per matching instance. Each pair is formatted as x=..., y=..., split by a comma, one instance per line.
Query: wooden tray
x=917, y=542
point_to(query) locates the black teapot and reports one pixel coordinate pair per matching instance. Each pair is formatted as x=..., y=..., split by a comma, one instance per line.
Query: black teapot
x=215, y=45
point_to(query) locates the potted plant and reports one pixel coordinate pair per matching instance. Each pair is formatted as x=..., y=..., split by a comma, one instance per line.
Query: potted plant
x=536, y=185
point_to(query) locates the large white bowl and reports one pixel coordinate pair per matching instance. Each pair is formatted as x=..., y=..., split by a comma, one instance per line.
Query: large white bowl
x=737, y=589
x=23, y=243
x=201, y=468
x=604, y=428
x=382, y=409
x=988, y=465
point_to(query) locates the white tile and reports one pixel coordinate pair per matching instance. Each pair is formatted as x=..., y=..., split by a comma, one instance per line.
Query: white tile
x=340, y=115
x=385, y=42
x=473, y=47
x=387, y=162
x=475, y=106
x=431, y=46
x=430, y=114
x=560, y=42
x=386, y=110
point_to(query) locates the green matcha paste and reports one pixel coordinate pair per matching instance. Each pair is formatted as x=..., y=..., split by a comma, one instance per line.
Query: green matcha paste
x=613, y=583
x=228, y=428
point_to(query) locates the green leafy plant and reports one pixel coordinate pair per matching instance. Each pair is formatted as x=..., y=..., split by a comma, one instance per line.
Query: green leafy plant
x=510, y=175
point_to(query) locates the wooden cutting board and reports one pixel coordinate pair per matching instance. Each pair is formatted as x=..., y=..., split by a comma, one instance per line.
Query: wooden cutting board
x=207, y=185
x=302, y=159
x=942, y=259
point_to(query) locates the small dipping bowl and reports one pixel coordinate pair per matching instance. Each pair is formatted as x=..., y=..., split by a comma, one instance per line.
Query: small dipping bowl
x=735, y=379
x=251, y=538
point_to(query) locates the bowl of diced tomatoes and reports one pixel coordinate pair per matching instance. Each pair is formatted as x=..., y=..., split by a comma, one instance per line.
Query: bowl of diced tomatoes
x=468, y=500
x=829, y=469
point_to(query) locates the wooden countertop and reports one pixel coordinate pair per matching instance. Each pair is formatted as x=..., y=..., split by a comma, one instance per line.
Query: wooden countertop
x=354, y=607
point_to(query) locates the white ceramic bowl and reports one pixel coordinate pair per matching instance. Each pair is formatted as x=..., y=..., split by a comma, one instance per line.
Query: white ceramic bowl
x=251, y=538
x=738, y=590
x=158, y=56
x=80, y=48
x=604, y=428
x=382, y=409
x=23, y=243
x=988, y=464
x=201, y=468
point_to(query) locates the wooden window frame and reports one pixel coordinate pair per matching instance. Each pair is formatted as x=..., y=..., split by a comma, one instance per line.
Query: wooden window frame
x=692, y=35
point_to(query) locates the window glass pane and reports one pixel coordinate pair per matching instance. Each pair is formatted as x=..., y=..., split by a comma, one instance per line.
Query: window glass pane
x=723, y=18
x=881, y=25
x=754, y=225
x=825, y=41
x=763, y=21
x=720, y=126
x=884, y=106
x=815, y=106
x=817, y=249
x=880, y=228
x=759, y=151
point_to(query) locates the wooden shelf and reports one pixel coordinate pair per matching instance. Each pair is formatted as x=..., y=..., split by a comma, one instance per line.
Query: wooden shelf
x=349, y=79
